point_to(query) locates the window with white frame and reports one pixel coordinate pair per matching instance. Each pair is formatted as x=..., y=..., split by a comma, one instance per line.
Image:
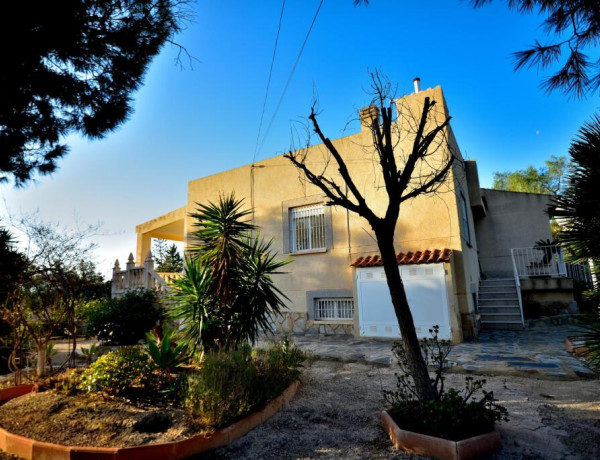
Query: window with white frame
x=307, y=228
x=464, y=216
x=334, y=308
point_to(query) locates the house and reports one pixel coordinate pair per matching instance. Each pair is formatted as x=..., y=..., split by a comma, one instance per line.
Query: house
x=447, y=243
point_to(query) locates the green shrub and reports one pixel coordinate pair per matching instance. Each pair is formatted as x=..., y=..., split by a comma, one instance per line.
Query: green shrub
x=234, y=383
x=126, y=370
x=124, y=321
x=453, y=414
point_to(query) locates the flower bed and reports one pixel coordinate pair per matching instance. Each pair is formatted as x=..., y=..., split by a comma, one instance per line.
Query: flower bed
x=30, y=449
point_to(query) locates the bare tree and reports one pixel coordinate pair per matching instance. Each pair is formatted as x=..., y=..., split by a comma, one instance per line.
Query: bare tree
x=414, y=158
x=56, y=272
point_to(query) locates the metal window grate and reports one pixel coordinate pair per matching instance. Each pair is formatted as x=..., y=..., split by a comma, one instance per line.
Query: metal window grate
x=334, y=308
x=307, y=225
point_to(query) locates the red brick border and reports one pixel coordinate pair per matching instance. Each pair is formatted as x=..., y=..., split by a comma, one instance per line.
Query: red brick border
x=421, y=444
x=30, y=449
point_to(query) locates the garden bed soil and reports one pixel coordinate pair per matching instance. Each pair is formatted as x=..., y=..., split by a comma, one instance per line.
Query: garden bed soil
x=93, y=420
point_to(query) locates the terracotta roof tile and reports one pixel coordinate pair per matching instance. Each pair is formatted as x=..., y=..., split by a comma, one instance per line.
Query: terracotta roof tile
x=407, y=258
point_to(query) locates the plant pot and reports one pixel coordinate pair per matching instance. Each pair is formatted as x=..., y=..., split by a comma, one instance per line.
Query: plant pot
x=443, y=449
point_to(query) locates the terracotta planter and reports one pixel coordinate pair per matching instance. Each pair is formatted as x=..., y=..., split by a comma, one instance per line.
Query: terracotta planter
x=30, y=449
x=14, y=392
x=443, y=449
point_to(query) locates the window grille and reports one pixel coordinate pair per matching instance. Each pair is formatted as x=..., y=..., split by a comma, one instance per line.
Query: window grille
x=334, y=308
x=307, y=228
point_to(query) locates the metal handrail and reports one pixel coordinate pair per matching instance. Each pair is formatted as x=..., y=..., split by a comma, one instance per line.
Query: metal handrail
x=518, y=283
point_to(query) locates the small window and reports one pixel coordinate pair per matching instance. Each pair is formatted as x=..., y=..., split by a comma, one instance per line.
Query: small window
x=464, y=217
x=334, y=308
x=307, y=228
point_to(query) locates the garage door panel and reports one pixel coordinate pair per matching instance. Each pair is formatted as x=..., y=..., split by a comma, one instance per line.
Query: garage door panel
x=426, y=294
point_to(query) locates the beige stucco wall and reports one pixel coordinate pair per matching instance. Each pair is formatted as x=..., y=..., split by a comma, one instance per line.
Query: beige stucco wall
x=426, y=222
x=170, y=226
x=513, y=220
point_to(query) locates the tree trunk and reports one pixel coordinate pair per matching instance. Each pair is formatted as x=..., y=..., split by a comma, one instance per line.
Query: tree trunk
x=416, y=363
x=41, y=361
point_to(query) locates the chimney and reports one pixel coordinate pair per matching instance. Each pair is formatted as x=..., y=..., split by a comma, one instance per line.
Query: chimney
x=367, y=115
x=417, y=83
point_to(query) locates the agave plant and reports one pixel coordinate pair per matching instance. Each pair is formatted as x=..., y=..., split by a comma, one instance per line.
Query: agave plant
x=165, y=354
x=226, y=295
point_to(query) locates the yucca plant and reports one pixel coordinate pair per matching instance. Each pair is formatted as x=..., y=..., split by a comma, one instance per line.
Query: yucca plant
x=226, y=295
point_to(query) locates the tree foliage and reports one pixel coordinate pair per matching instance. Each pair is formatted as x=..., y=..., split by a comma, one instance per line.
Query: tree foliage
x=226, y=295
x=72, y=68
x=125, y=320
x=168, y=259
x=407, y=171
x=547, y=179
x=573, y=27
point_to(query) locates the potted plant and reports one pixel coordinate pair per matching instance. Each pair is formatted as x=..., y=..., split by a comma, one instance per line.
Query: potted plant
x=453, y=425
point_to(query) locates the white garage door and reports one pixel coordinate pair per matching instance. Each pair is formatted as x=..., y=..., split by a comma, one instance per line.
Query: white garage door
x=427, y=297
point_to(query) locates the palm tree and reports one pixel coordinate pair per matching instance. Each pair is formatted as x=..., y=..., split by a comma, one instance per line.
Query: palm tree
x=578, y=209
x=226, y=296
x=578, y=206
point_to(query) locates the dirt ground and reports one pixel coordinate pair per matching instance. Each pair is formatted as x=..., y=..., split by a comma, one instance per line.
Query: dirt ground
x=336, y=415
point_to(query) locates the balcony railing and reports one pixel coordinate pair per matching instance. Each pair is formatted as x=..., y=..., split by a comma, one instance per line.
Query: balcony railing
x=547, y=261
x=141, y=277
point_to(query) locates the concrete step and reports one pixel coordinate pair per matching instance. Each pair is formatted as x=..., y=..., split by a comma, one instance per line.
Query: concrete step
x=512, y=326
x=498, y=295
x=483, y=309
x=499, y=288
x=506, y=301
x=497, y=280
x=500, y=317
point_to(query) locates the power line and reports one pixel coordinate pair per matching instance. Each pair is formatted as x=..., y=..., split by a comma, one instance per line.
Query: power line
x=287, y=84
x=268, y=82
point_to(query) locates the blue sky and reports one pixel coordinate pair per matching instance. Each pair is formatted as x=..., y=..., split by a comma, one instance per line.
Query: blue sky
x=189, y=123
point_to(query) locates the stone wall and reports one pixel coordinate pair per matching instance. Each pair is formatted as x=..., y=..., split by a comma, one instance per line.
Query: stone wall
x=298, y=323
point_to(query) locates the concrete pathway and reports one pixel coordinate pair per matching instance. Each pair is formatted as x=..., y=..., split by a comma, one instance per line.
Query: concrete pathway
x=538, y=352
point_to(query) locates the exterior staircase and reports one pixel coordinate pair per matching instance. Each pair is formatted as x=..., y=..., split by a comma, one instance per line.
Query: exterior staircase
x=499, y=304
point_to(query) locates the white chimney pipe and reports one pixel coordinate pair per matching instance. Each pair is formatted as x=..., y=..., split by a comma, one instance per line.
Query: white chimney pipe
x=417, y=83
